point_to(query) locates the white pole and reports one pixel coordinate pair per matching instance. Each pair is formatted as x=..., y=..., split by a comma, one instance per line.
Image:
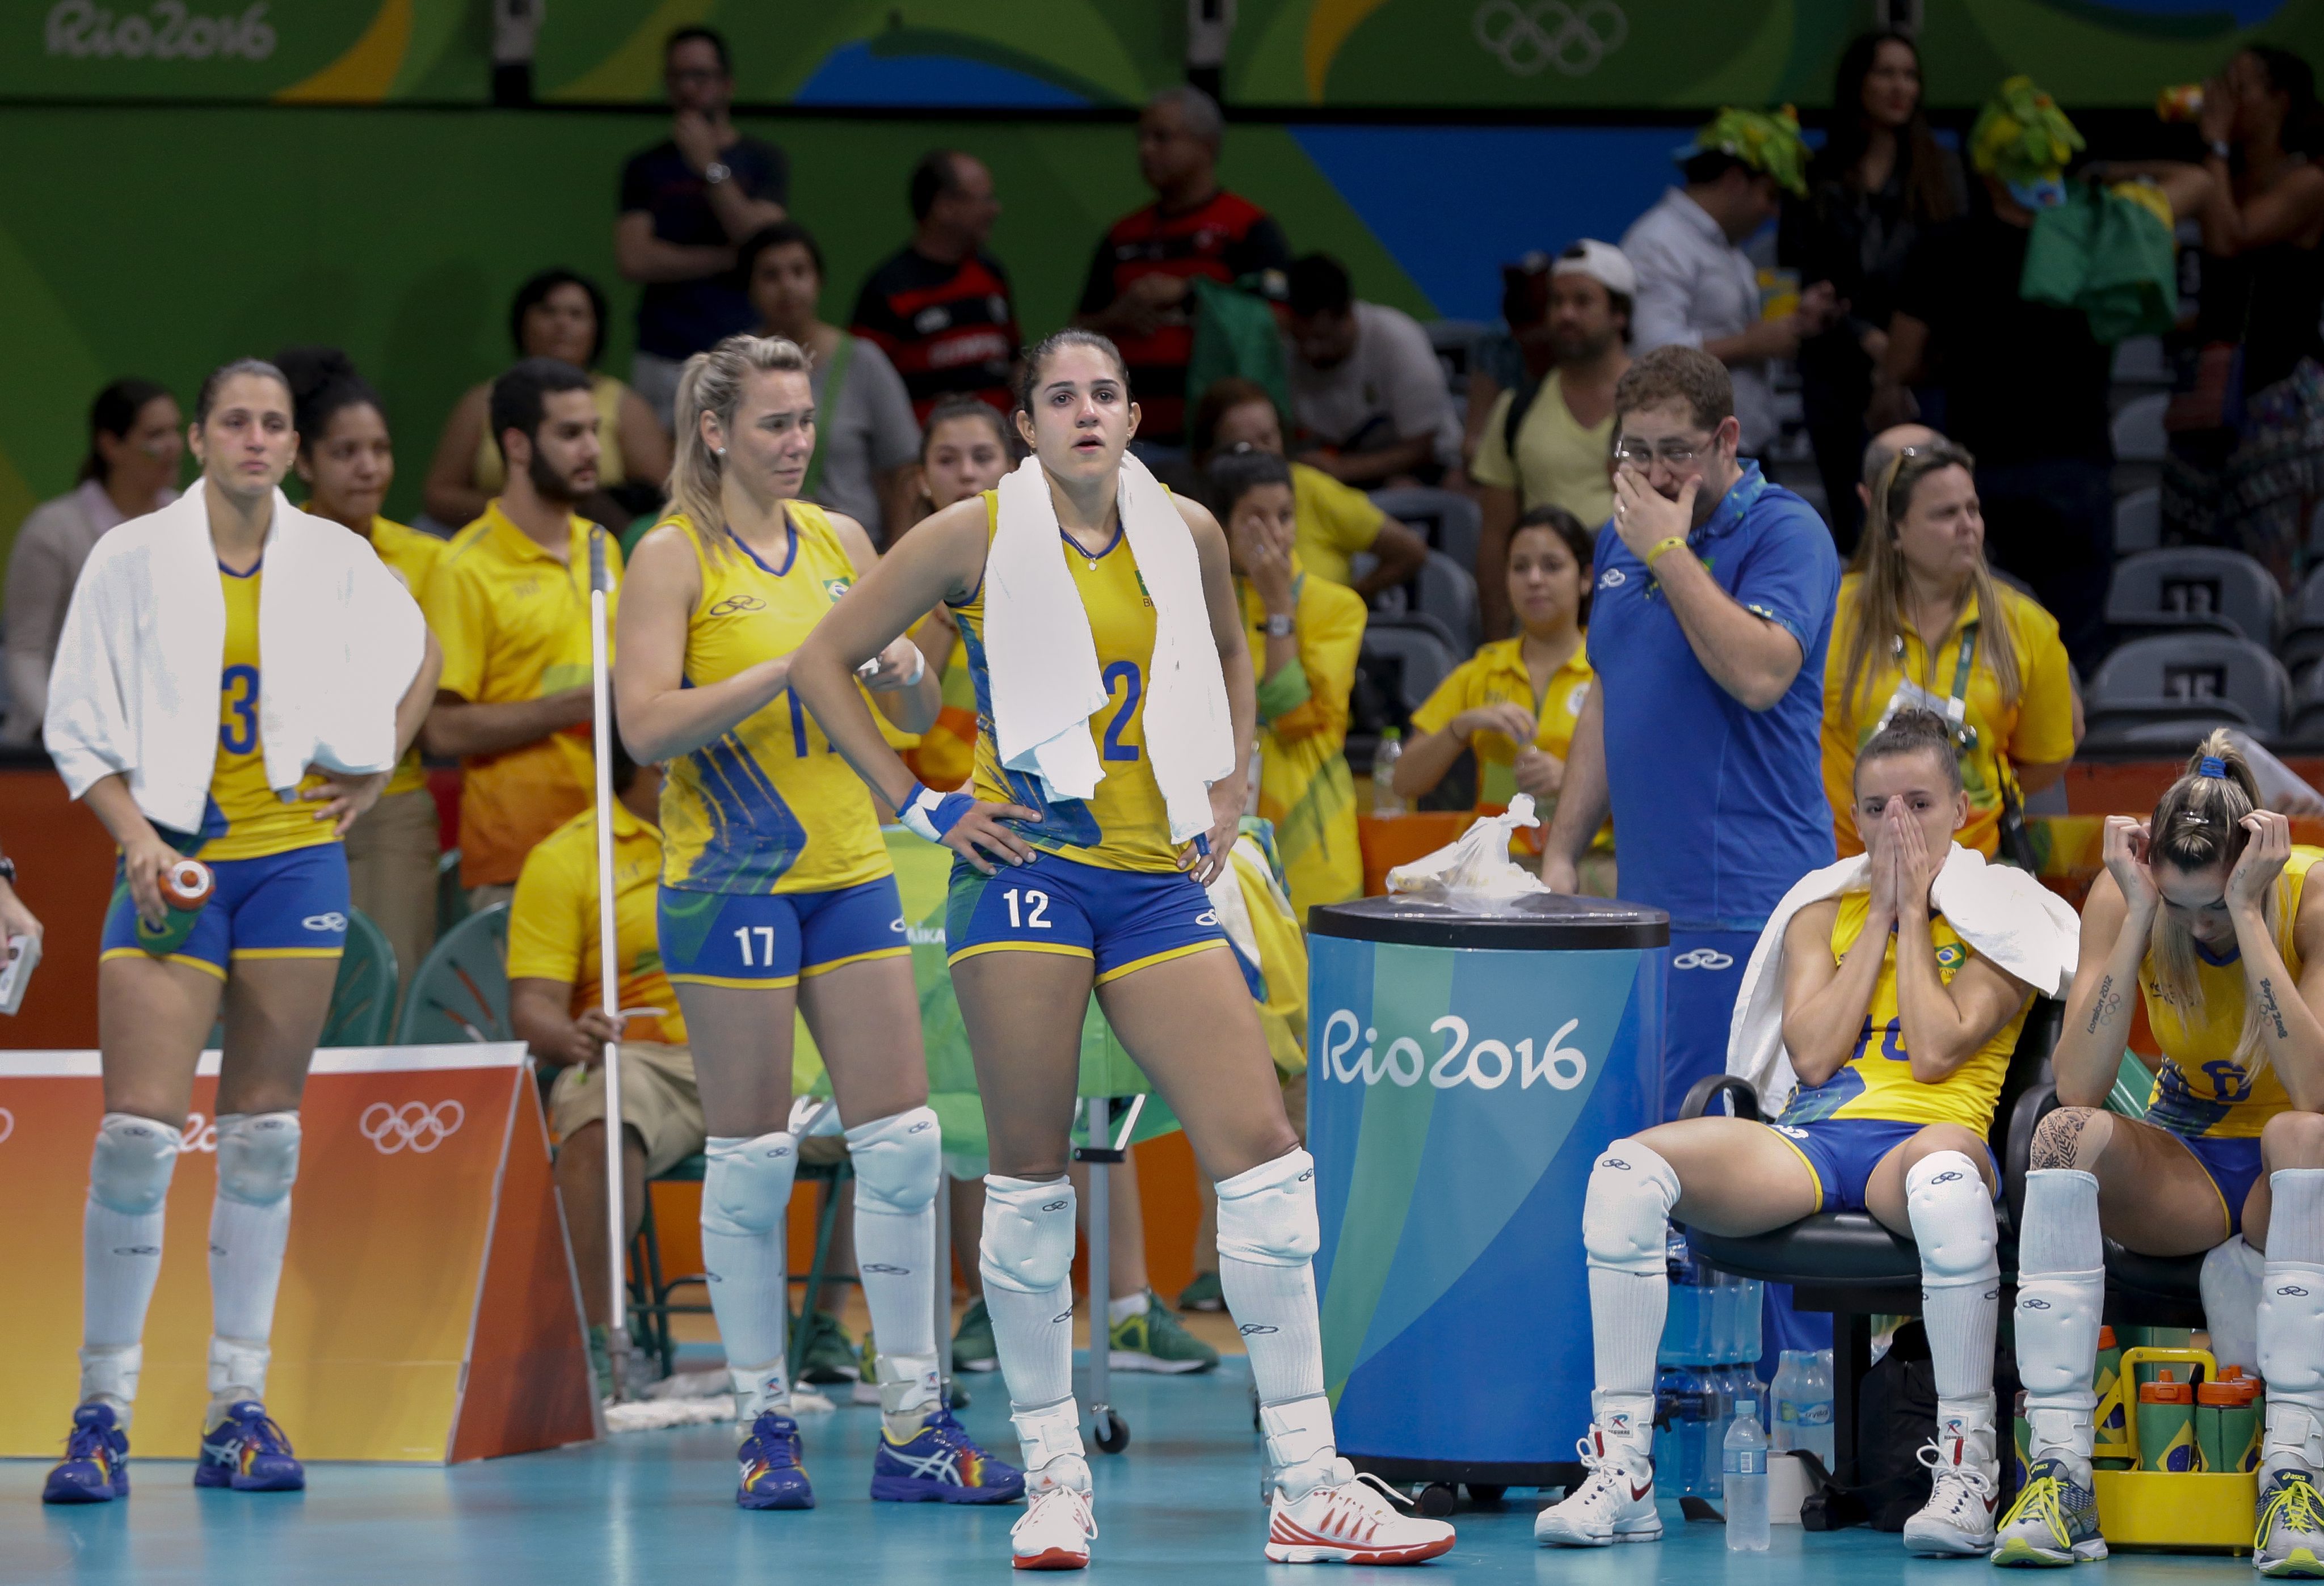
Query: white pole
x=609, y=965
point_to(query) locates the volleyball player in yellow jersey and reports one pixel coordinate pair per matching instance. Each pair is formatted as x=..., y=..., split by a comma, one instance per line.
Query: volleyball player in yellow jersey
x=1052, y=896
x=964, y=451
x=324, y=677
x=2203, y=908
x=1900, y=1037
x=778, y=893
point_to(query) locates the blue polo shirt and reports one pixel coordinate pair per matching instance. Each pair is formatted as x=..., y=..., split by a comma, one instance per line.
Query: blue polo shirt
x=1717, y=808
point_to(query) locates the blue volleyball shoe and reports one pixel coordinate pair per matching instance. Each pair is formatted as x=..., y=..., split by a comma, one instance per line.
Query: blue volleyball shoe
x=772, y=1476
x=95, y=1466
x=940, y=1463
x=248, y=1452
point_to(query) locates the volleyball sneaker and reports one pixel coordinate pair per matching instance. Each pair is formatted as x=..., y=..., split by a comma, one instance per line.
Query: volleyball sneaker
x=1153, y=1339
x=95, y=1466
x=2291, y=1540
x=973, y=1348
x=2055, y=1521
x=1347, y=1518
x=248, y=1452
x=1616, y=1503
x=1957, y=1521
x=772, y=1476
x=940, y=1463
x=1056, y=1531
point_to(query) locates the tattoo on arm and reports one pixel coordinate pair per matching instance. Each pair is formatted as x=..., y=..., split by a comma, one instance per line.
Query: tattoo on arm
x=2057, y=1142
x=2268, y=1006
x=2104, y=1006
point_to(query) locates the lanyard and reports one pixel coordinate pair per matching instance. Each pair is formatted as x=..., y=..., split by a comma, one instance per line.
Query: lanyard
x=1956, y=708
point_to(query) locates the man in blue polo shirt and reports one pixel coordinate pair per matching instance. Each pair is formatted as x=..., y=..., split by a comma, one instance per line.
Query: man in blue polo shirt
x=1706, y=630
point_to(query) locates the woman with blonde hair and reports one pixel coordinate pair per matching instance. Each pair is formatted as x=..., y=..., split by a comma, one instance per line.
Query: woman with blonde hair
x=778, y=894
x=1916, y=629
x=2203, y=912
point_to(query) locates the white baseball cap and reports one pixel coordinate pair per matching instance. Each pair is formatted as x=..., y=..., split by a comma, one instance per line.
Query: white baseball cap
x=1602, y=263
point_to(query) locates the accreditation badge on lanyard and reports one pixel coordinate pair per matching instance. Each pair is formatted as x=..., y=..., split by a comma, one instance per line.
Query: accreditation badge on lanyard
x=1954, y=708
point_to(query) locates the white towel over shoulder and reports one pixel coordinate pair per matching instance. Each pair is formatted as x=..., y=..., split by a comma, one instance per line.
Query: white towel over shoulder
x=1043, y=662
x=2003, y=915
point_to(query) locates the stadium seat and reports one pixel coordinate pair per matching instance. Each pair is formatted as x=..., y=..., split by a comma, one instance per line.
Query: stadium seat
x=1453, y=340
x=1448, y=592
x=2189, y=678
x=2194, y=586
x=1405, y=657
x=2138, y=521
x=2302, y=645
x=1449, y=521
x=461, y=992
x=2138, y=430
x=362, y=998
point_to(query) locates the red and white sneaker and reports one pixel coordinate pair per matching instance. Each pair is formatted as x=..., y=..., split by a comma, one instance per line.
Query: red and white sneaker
x=1056, y=1530
x=1347, y=1518
x=1615, y=1504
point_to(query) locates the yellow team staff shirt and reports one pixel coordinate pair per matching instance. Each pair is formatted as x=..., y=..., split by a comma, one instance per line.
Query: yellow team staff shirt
x=2202, y=1088
x=553, y=926
x=1497, y=675
x=514, y=624
x=1878, y=1081
x=246, y=818
x=1332, y=522
x=412, y=556
x=2038, y=729
x=1124, y=825
x=769, y=806
x=1560, y=462
x=1304, y=786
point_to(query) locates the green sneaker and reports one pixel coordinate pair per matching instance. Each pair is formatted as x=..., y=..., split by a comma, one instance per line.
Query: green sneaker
x=867, y=1386
x=2053, y=1522
x=2291, y=1540
x=600, y=1363
x=1204, y=1294
x=1155, y=1341
x=973, y=1348
x=830, y=1355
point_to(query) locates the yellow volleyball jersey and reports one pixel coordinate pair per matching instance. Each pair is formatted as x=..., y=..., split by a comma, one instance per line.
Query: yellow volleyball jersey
x=1124, y=825
x=769, y=806
x=1878, y=1081
x=245, y=818
x=2200, y=1088
x=412, y=556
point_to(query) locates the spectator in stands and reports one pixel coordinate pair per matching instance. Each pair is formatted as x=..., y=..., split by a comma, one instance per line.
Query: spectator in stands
x=1878, y=182
x=1336, y=522
x=1304, y=632
x=2021, y=385
x=1516, y=354
x=966, y=451
x=1696, y=286
x=866, y=442
x=940, y=309
x=1547, y=442
x=1138, y=292
x=686, y=203
x=557, y=314
x=1708, y=631
x=136, y=442
x=509, y=603
x=1914, y=631
x=1514, y=704
x=1368, y=402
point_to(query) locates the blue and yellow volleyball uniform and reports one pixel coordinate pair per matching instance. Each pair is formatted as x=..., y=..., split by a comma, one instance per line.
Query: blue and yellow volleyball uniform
x=772, y=863
x=281, y=874
x=2215, y=1103
x=1843, y=1128
x=1105, y=884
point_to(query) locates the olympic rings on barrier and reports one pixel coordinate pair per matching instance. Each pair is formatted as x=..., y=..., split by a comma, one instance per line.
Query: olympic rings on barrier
x=414, y=1126
x=1703, y=958
x=1574, y=39
x=7, y=1124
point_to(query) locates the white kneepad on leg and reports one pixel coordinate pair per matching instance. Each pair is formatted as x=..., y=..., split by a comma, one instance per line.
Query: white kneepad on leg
x=129, y=1171
x=1626, y=1213
x=1267, y=1216
x=747, y=1187
x=896, y=1161
x=1028, y=1233
x=257, y=1156
x=1952, y=1221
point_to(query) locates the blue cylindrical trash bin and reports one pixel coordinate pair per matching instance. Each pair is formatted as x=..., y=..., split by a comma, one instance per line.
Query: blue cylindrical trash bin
x=1464, y=1070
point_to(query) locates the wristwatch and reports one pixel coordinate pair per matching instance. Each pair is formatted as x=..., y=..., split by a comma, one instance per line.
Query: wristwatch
x=717, y=172
x=2223, y=150
x=1278, y=627
x=8, y=870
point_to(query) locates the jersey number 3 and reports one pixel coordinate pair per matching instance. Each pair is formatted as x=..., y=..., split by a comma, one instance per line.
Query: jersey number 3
x=238, y=729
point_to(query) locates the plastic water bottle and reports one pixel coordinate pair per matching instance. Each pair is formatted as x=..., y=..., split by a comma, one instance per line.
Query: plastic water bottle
x=1698, y=1454
x=1682, y=1321
x=1784, y=1431
x=1752, y=1308
x=1384, y=759
x=1725, y=1334
x=1670, y=1387
x=1815, y=1434
x=1744, y=1468
x=1718, y=1401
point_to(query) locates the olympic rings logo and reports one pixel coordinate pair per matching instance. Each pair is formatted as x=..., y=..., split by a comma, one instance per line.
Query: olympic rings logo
x=1703, y=958
x=736, y=605
x=332, y=921
x=1574, y=39
x=7, y=1124
x=414, y=1126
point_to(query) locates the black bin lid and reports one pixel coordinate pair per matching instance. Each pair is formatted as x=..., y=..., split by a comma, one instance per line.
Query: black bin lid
x=1539, y=922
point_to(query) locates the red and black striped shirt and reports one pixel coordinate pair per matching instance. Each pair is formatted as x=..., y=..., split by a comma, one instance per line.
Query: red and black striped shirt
x=949, y=329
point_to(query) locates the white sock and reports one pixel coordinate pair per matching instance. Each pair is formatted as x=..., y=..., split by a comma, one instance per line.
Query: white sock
x=1952, y=1224
x=121, y=1258
x=1119, y=1311
x=895, y=1261
x=2291, y=1321
x=2060, y=1297
x=1266, y=1274
x=247, y=1245
x=1625, y=1229
x=2230, y=1286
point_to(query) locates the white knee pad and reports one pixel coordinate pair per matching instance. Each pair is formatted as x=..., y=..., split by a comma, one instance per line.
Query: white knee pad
x=1267, y=1216
x=897, y=1160
x=257, y=1156
x=1953, y=1222
x=2291, y=1332
x=1028, y=1233
x=747, y=1187
x=129, y=1172
x=1626, y=1214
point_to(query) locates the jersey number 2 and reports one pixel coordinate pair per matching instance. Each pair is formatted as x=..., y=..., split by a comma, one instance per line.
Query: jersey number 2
x=1126, y=674
x=240, y=686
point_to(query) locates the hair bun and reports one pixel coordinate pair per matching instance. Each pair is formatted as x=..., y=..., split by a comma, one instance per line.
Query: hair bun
x=310, y=369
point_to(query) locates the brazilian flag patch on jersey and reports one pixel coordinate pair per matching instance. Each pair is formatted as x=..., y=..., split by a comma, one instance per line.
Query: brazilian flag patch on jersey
x=1952, y=956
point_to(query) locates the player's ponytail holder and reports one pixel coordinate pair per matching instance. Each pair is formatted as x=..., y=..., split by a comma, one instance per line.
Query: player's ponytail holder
x=2211, y=765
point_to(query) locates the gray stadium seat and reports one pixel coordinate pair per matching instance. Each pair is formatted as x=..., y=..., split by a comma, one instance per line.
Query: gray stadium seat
x=1452, y=340
x=1449, y=521
x=2307, y=724
x=2197, y=587
x=1415, y=652
x=2207, y=678
x=1448, y=592
x=2302, y=645
x=2138, y=430
x=2138, y=521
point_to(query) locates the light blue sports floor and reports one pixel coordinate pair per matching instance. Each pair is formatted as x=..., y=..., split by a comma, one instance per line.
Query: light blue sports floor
x=655, y=1507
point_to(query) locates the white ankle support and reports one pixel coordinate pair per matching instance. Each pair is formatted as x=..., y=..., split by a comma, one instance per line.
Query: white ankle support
x=109, y=1372
x=1297, y=1433
x=1050, y=1433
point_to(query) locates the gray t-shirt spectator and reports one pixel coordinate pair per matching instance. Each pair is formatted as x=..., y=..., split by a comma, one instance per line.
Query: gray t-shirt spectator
x=50, y=547
x=1390, y=388
x=1695, y=286
x=860, y=433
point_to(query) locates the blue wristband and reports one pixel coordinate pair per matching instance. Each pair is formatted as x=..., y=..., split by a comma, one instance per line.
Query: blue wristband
x=930, y=815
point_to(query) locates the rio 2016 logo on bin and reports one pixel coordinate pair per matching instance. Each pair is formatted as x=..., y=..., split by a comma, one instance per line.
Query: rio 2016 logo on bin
x=1489, y=1065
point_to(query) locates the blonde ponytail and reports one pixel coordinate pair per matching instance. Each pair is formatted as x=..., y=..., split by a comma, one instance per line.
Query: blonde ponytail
x=2197, y=824
x=712, y=382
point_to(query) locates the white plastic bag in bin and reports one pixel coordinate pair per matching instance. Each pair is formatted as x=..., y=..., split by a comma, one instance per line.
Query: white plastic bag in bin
x=1476, y=870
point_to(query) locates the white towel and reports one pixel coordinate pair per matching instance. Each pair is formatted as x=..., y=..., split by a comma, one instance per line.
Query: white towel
x=2005, y=916
x=1043, y=662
